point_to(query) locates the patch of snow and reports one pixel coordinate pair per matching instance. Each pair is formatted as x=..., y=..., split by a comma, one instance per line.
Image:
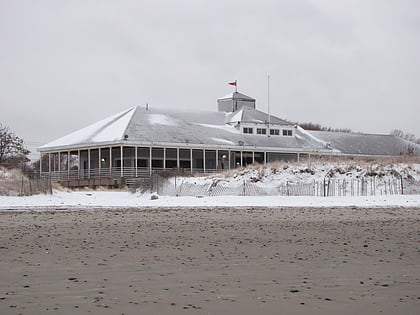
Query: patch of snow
x=236, y=117
x=303, y=131
x=228, y=96
x=116, y=200
x=222, y=141
x=160, y=119
x=114, y=131
x=4, y=173
x=267, y=177
x=221, y=127
x=270, y=179
x=109, y=129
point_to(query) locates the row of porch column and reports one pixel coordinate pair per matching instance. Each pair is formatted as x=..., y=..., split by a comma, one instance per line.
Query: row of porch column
x=150, y=166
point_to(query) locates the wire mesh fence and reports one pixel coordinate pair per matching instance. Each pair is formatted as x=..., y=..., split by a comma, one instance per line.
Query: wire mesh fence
x=366, y=186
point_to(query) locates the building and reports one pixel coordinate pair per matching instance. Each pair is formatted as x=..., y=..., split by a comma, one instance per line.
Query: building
x=139, y=141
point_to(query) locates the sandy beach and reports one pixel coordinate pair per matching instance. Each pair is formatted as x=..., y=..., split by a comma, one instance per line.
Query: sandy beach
x=204, y=260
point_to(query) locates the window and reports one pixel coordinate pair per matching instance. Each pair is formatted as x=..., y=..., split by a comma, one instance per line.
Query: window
x=261, y=131
x=248, y=130
x=287, y=132
x=274, y=132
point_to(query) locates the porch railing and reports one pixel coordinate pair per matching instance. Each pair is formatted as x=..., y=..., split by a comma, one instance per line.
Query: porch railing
x=114, y=173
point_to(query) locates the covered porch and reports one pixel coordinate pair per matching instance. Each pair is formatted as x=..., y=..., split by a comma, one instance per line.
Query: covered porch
x=114, y=165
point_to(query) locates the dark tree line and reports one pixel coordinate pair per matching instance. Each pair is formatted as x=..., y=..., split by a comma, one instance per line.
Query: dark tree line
x=318, y=127
x=13, y=153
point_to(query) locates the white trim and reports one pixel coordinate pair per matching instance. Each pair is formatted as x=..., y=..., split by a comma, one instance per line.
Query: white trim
x=121, y=161
x=78, y=164
x=110, y=161
x=178, y=163
x=135, y=160
x=204, y=146
x=150, y=161
x=88, y=157
x=191, y=160
x=99, y=161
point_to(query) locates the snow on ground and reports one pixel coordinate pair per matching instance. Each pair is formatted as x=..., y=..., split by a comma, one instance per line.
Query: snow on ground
x=85, y=200
x=339, y=178
x=306, y=173
x=268, y=176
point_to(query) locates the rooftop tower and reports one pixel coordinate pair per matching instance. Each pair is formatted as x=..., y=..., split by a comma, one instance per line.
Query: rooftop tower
x=235, y=101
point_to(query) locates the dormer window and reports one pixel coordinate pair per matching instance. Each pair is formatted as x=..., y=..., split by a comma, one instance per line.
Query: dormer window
x=287, y=132
x=261, y=131
x=274, y=132
x=248, y=130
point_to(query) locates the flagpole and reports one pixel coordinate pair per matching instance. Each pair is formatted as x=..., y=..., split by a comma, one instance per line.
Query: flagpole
x=268, y=103
x=236, y=86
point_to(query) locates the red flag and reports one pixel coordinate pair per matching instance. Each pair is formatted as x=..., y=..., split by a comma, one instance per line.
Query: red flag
x=232, y=83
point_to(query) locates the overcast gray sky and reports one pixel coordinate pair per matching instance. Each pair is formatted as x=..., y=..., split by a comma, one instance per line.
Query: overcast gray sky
x=346, y=64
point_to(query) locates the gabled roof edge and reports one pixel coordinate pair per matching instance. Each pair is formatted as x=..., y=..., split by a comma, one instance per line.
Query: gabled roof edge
x=129, y=122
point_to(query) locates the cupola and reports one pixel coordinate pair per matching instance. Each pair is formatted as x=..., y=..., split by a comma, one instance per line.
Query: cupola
x=235, y=101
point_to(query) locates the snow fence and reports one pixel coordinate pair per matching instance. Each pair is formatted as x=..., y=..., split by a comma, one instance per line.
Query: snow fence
x=367, y=186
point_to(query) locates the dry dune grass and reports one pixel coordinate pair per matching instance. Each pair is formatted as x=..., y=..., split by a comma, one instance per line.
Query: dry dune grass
x=99, y=188
x=364, y=162
x=14, y=183
x=11, y=181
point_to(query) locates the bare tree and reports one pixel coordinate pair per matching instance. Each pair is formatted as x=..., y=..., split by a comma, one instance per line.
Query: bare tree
x=310, y=126
x=397, y=132
x=407, y=136
x=314, y=126
x=12, y=150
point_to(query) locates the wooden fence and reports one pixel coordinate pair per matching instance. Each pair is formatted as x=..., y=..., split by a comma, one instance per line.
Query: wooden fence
x=366, y=186
x=25, y=186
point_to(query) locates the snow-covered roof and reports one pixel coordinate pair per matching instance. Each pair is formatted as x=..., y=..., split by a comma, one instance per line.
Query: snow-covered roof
x=366, y=144
x=249, y=115
x=139, y=126
x=162, y=126
x=203, y=128
x=106, y=130
x=237, y=96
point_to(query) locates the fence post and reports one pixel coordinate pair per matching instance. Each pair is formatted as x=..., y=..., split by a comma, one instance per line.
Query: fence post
x=402, y=186
x=374, y=186
x=362, y=186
